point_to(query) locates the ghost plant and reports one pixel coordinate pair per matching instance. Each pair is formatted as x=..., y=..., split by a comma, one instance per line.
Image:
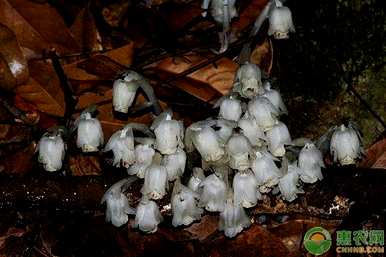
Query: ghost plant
x=245, y=189
x=213, y=195
x=147, y=216
x=310, y=163
x=238, y=149
x=196, y=179
x=230, y=108
x=156, y=181
x=346, y=146
x=144, y=153
x=277, y=137
x=174, y=164
x=251, y=130
x=233, y=218
x=125, y=89
x=265, y=170
x=121, y=143
x=280, y=21
x=169, y=136
x=289, y=183
x=274, y=97
x=51, y=150
x=264, y=112
x=225, y=129
x=184, y=205
x=117, y=204
x=247, y=81
x=90, y=134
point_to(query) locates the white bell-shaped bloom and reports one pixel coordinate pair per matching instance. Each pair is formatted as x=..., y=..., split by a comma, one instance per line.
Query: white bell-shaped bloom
x=264, y=112
x=174, y=164
x=156, y=182
x=245, y=189
x=144, y=154
x=51, y=150
x=310, y=163
x=345, y=145
x=213, y=193
x=192, y=130
x=122, y=145
x=251, y=130
x=280, y=22
x=225, y=130
x=196, y=179
x=289, y=183
x=274, y=97
x=147, y=216
x=217, y=8
x=233, y=218
x=230, y=108
x=277, y=137
x=265, y=170
x=165, y=115
x=90, y=134
x=247, y=81
x=208, y=144
x=169, y=136
x=184, y=205
x=238, y=148
x=117, y=204
x=124, y=90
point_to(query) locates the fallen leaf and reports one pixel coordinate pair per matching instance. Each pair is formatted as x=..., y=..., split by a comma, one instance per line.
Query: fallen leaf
x=86, y=32
x=101, y=66
x=11, y=54
x=83, y=165
x=262, y=55
x=375, y=156
x=203, y=229
x=38, y=26
x=123, y=55
x=43, y=89
x=248, y=15
x=19, y=162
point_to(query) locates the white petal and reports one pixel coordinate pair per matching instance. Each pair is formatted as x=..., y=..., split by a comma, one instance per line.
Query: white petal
x=156, y=178
x=245, y=189
x=277, y=137
x=213, y=195
x=147, y=216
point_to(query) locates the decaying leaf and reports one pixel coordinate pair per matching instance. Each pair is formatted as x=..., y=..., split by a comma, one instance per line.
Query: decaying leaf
x=375, y=156
x=19, y=162
x=11, y=54
x=248, y=15
x=81, y=165
x=207, y=226
x=43, y=89
x=85, y=31
x=37, y=25
x=210, y=79
x=262, y=55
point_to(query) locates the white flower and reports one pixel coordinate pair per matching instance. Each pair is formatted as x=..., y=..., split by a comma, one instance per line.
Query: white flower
x=51, y=151
x=213, y=194
x=230, y=108
x=247, y=81
x=288, y=184
x=165, y=115
x=147, y=216
x=245, y=189
x=156, y=181
x=266, y=171
x=124, y=91
x=251, y=130
x=274, y=97
x=122, y=145
x=208, y=144
x=280, y=22
x=225, y=130
x=117, y=204
x=233, y=218
x=263, y=111
x=184, y=205
x=238, y=148
x=192, y=130
x=144, y=154
x=310, y=163
x=217, y=9
x=345, y=145
x=196, y=179
x=90, y=134
x=174, y=164
x=169, y=136
x=277, y=137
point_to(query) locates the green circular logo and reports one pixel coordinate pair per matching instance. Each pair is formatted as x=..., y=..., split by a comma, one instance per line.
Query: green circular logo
x=317, y=241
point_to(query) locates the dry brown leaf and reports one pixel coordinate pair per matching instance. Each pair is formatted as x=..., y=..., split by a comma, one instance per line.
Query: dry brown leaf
x=43, y=89
x=101, y=66
x=206, y=227
x=82, y=165
x=85, y=31
x=262, y=56
x=200, y=83
x=375, y=156
x=123, y=55
x=248, y=15
x=37, y=26
x=19, y=162
x=11, y=54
